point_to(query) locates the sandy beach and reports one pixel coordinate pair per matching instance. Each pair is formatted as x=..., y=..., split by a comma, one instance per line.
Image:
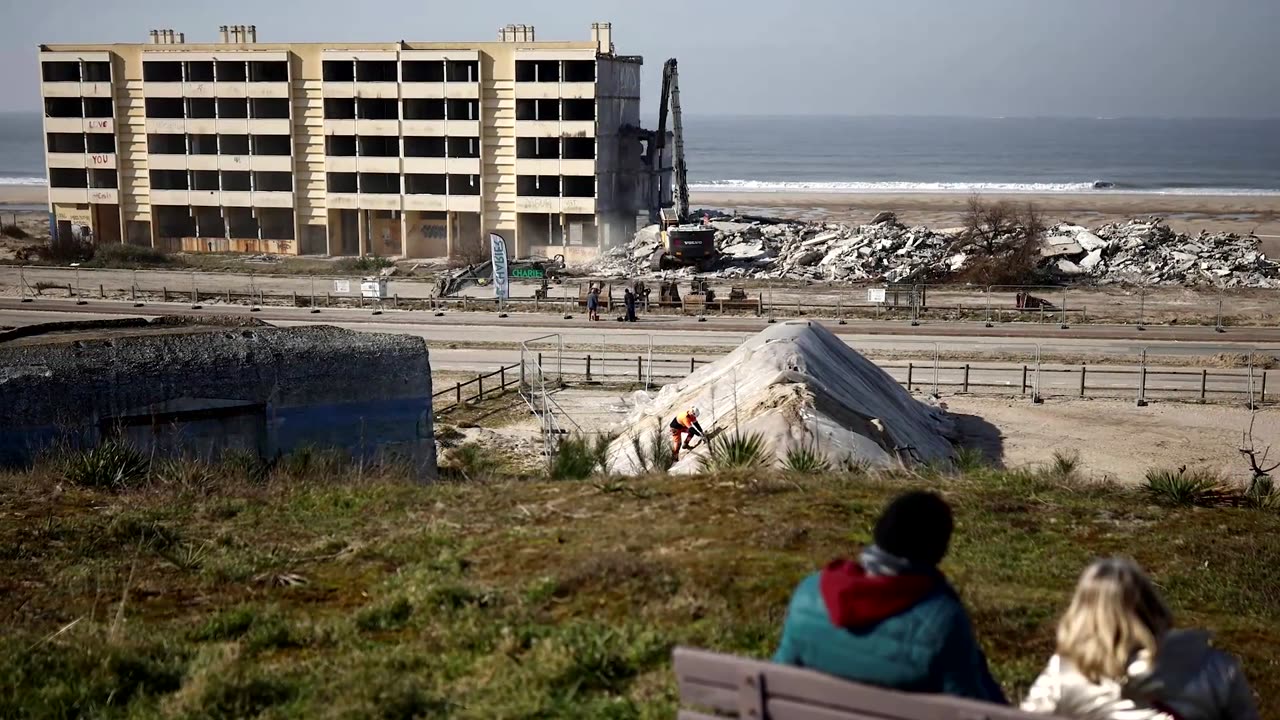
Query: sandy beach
x=23, y=195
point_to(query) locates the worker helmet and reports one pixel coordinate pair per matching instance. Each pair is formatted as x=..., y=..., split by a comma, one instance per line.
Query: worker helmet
x=694, y=411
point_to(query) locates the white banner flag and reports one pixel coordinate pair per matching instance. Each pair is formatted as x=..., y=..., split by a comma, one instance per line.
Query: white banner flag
x=498, y=256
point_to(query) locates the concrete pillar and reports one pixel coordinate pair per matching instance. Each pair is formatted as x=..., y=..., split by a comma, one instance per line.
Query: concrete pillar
x=362, y=225
x=329, y=232
x=404, y=233
x=448, y=233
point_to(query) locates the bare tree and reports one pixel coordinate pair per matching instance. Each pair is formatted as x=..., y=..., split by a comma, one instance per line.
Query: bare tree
x=1257, y=464
x=1003, y=241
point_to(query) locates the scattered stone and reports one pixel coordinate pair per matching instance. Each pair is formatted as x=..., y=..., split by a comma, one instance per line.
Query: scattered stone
x=1145, y=251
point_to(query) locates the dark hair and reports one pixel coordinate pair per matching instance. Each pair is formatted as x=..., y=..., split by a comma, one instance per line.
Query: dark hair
x=916, y=526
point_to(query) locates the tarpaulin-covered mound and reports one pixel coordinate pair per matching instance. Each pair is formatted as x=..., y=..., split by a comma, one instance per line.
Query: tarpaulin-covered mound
x=799, y=386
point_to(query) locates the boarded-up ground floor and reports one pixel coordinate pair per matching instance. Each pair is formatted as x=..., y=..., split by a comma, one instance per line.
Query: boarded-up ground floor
x=346, y=232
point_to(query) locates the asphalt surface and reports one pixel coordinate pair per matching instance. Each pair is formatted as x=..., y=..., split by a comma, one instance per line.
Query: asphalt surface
x=621, y=352
x=680, y=330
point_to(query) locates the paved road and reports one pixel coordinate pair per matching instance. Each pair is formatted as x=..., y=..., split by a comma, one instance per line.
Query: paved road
x=488, y=327
x=622, y=352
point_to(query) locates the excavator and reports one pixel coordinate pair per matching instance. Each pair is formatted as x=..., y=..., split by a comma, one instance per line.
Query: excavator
x=683, y=241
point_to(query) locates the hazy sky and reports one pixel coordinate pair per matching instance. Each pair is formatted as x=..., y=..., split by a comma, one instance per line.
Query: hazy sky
x=1166, y=58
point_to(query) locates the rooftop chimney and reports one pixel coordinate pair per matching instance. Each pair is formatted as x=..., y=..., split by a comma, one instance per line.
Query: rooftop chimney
x=516, y=33
x=155, y=37
x=223, y=35
x=602, y=36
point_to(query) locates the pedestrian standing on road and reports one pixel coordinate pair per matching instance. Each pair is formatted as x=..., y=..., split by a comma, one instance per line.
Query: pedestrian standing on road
x=629, y=299
x=593, y=304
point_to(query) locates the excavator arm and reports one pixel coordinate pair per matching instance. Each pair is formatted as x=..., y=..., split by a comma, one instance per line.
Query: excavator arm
x=669, y=103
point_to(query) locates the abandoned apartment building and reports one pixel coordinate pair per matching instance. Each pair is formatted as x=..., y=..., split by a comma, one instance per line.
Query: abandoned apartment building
x=393, y=149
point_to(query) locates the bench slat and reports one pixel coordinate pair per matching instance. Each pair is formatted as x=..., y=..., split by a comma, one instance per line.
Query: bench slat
x=713, y=681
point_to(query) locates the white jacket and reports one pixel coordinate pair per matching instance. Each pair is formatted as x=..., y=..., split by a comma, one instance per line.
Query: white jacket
x=1189, y=680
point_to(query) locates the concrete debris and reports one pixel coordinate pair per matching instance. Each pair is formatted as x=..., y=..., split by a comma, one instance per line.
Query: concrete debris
x=1140, y=251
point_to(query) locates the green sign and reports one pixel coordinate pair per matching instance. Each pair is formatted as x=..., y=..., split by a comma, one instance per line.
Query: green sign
x=531, y=272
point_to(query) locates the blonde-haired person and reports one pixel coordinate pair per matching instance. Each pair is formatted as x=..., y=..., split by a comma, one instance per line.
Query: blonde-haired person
x=1119, y=658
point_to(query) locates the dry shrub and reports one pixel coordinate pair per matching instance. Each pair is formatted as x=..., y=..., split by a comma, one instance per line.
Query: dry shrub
x=1002, y=241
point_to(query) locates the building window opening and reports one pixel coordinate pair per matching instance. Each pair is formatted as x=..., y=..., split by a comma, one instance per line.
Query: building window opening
x=168, y=179
x=538, y=148
x=579, y=110
x=233, y=108
x=464, y=147
x=380, y=183
x=340, y=145
x=379, y=146
x=237, y=180
x=276, y=71
x=339, y=71
x=339, y=109
x=580, y=71
x=202, y=108
x=163, y=108
x=66, y=142
x=432, y=147
x=581, y=186
x=279, y=145
x=231, y=71
x=377, y=109
x=421, y=109
x=203, y=144
x=104, y=178
x=431, y=71
x=464, y=184
x=101, y=142
x=166, y=144
x=68, y=178
x=200, y=71
x=341, y=182
x=538, y=185
x=233, y=144
x=60, y=71
x=273, y=182
x=463, y=71
x=60, y=107
x=376, y=71
x=269, y=108
x=421, y=184
x=204, y=180
x=98, y=108
x=169, y=71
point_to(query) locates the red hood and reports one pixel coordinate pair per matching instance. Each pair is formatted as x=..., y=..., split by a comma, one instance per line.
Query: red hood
x=855, y=599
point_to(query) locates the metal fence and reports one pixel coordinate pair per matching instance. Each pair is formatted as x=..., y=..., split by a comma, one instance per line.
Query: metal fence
x=918, y=303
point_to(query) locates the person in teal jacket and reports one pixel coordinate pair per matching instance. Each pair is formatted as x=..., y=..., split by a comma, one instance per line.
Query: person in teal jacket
x=891, y=619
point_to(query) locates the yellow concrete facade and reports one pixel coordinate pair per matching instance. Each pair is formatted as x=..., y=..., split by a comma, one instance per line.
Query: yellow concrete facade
x=395, y=149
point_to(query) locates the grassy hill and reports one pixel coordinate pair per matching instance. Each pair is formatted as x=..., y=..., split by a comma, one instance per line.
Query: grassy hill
x=321, y=590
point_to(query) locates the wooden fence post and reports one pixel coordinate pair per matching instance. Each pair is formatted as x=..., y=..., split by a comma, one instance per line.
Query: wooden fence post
x=1083, y=369
x=966, y=377
x=691, y=361
x=479, y=386
x=1204, y=383
x=502, y=376
x=1024, y=379
x=588, y=366
x=910, y=369
x=457, y=390
x=640, y=368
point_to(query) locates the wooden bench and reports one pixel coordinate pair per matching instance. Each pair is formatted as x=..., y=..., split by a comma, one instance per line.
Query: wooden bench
x=715, y=686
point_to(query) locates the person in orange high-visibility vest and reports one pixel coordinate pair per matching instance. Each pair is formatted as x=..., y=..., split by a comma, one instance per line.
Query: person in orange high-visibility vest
x=685, y=423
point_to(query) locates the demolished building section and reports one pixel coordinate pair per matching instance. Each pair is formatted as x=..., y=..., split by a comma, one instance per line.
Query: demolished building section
x=1135, y=252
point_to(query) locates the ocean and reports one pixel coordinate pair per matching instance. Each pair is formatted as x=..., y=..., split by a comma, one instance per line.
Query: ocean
x=907, y=154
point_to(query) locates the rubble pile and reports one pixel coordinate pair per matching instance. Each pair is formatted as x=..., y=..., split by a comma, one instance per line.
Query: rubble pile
x=1149, y=252
x=1138, y=251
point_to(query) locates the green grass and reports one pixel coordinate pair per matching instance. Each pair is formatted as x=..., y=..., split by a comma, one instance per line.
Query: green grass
x=355, y=594
x=580, y=457
x=123, y=255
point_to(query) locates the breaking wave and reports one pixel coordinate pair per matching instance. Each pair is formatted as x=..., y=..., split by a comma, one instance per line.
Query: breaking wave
x=961, y=187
